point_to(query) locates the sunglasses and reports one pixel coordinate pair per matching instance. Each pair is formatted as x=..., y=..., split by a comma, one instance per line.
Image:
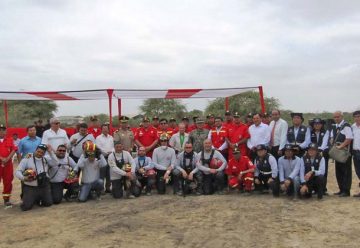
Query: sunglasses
x=61, y=150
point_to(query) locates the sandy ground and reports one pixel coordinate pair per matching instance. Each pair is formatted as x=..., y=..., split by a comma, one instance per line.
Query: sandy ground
x=171, y=221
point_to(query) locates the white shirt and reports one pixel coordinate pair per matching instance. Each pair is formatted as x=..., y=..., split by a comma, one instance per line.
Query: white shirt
x=345, y=131
x=258, y=135
x=356, y=134
x=280, y=133
x=77, y=147
x=54, y=139
x=105, y=143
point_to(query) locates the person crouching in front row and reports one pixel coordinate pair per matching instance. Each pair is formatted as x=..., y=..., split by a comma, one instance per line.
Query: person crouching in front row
x=212, y=165
x=145, y=172
x=266, y=172
x=289, y=171
x=240, y=172
x=122, y=172
x=33, y=171
x=90, y=163
x=312, y=171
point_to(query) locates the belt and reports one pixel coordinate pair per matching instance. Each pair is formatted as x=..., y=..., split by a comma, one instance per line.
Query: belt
x=266, y=172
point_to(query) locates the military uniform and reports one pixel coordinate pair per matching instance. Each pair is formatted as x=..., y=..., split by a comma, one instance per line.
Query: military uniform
x=198, y=136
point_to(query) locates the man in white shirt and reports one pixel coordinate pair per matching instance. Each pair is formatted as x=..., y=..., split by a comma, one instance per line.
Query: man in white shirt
x=55, y=136
x=278, y=130
x=78, y=139
x=259, y=135
x=105, y=143
x=356, y=145
x=341, y=136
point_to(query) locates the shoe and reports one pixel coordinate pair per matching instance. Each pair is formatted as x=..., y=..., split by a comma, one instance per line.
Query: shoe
x=7, y=204
x=148, y=193
x=131, y=196
x=221, y=192
x=356, y=195
x=179, y=193
x=344, y=195
x=338, y=193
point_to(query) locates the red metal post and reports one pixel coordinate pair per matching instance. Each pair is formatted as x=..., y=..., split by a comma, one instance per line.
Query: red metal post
x=226, y=103
x=110, y=93
x=262, y=102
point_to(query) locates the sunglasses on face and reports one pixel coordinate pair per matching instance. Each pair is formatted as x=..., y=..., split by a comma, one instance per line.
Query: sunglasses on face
x=61, y=150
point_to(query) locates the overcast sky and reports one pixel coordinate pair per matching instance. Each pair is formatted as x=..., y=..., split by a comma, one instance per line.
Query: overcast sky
x=305, y=53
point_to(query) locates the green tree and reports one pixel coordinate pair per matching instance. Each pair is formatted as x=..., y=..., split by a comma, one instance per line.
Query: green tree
x=23, y=113
x=164, y=108
x=243, y=103
x=195, y=112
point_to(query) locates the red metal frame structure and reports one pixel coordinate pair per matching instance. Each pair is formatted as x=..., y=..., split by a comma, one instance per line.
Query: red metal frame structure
x=126, y=94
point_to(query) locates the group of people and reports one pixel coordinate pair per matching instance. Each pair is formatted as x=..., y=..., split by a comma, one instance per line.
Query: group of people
x=208, y=156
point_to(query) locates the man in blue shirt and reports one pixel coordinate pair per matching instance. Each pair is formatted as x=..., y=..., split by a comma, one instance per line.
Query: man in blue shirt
x=29, y=143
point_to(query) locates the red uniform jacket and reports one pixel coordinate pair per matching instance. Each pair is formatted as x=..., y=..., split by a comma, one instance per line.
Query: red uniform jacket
x=238, y=132
x=218, y=139
x=234, y=166
x=95, y=131
x=6, y=147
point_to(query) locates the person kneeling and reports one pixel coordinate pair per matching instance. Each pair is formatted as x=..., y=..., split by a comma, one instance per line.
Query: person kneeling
x=289, y=171
x=33, y=171
x=145, y=172
x=312, y=171
x=240, y=172
x=90, y=164
x=266, y=171
x=212, y=164
x=122, y=173
x=187, y=176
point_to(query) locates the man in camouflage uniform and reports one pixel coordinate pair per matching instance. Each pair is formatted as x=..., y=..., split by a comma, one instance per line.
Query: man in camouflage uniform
x=124, y=135
x=198, y=135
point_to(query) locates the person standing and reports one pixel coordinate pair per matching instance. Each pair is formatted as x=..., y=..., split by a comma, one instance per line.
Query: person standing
x=55, y=136
x=298, y=135
x=356, y=145
x=238, y=135
x=218, y=135
x=7, y=151
x=29, y=143
x=321, y=137
x=94, y=126
x=198, y=135
x=279, y=128
x=179, y=139
x=147, y=137
x=124, y=135
x=105, y=143
x=341, y=137
x=259, y=135
x=77, y=140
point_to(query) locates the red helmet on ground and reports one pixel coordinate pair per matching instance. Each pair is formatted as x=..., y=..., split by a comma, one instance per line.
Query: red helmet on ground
x=127, y=167
x=215, y=163
x=150, y=172
x=233, y=182
x=71, y=178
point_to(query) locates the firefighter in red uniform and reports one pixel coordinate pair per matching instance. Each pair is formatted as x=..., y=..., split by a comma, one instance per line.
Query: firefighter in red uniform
x=94, y=126
x=240, y=172
x=210, y=121
x=7, y=151
x=218, y=136
x=228, y=123
x=193, y=125
x=155, y=122
x=238, y=135
x=164, y=128
x=173, y=125
x=147, y=137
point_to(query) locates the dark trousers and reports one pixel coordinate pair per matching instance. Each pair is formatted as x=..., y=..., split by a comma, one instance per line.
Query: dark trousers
x=32, y=194
x=315, y=183
x=119, y=185
x=326, y=157
x=213, y=182
x=264, y=185
x=105, y=175
x=146, y=182
x=57, y=191
x=179, y=182
x=274, y=151
x=160, y=182
x=356, y=159
x=343, y=173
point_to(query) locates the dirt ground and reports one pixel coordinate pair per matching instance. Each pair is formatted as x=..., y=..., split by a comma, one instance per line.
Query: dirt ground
x=225, y=221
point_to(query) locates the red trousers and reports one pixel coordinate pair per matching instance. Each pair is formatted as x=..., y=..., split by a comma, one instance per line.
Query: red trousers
x=7, y=176
x=246, y=181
